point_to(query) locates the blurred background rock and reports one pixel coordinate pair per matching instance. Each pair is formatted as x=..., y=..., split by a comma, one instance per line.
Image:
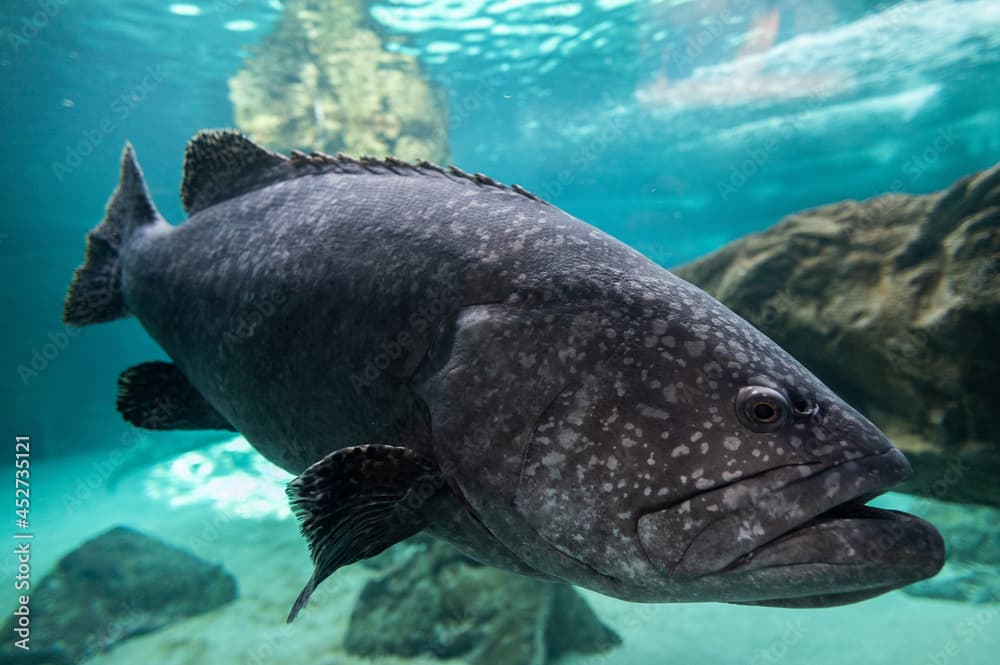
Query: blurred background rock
x=322, y=80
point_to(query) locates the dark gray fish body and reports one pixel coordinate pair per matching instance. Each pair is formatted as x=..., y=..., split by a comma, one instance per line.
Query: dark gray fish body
x=432, y=350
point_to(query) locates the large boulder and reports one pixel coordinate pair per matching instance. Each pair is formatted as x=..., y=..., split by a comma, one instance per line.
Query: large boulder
x=324, y=80
x=443, y=604
x=118, y=585
x=895, y=303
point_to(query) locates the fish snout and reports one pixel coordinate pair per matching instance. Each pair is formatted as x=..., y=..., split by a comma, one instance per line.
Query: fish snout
x=838, y=432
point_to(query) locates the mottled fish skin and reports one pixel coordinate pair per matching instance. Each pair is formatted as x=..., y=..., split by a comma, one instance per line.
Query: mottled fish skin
x=622, y=405
x=580, y=399
x=270, y=305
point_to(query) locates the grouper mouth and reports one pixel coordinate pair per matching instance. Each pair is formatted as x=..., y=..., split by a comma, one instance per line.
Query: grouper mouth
x=794, y=537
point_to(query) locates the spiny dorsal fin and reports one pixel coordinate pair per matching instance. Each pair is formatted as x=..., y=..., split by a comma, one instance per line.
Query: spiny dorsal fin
x=221, y=164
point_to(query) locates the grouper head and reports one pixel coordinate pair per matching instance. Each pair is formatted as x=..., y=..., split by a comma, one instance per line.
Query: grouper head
x=710, y=465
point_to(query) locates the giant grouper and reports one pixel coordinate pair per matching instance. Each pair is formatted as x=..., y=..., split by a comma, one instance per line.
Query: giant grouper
x=430, y=350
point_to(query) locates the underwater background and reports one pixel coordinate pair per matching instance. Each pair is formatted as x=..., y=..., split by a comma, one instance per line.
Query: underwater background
x=677, y=127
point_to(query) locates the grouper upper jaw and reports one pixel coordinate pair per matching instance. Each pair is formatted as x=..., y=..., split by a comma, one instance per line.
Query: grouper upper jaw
x=720, y=526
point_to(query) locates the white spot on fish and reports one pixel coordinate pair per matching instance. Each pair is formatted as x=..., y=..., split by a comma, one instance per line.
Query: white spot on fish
x=832, y=483
x=653, y=412
x=553, y=459
x=694, y=348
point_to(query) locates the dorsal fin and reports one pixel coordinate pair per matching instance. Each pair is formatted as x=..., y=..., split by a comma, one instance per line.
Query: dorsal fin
x=222, y=164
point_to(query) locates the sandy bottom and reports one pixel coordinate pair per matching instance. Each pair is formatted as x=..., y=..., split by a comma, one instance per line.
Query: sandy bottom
x=265, y=553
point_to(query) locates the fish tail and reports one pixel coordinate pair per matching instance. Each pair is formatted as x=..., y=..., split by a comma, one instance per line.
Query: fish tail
x=95, y=294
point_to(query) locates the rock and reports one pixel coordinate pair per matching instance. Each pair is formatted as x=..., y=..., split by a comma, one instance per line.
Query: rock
x=895, y=303
x=121, y=584
x=323, y=81
x=441, y=603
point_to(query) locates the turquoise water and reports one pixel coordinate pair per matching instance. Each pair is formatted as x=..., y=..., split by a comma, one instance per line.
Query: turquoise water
x=658, y=122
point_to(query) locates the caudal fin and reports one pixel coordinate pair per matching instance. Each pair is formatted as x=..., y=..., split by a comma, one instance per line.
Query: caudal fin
x=95, y=294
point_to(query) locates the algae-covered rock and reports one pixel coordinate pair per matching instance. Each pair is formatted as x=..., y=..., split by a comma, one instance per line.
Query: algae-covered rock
x=118, y=585
x=323, y=80
x=895, y=303
x=444, y=604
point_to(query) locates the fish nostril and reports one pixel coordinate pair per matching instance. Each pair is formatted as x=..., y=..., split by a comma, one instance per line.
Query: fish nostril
x=804, y=407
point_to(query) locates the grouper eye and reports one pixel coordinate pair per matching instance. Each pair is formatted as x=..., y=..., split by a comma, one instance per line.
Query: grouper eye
x=761, y=409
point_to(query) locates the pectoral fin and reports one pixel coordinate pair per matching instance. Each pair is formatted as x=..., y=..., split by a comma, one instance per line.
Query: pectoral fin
x=358, y=501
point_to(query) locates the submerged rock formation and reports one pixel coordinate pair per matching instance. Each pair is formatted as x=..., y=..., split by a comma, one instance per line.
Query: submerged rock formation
x=443, y=604
x=324, y=81
x=895, y=303
x=121, y=584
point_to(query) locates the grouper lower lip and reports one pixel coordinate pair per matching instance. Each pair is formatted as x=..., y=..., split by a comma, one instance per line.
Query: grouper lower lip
x=848, y=554
x=736, y=525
